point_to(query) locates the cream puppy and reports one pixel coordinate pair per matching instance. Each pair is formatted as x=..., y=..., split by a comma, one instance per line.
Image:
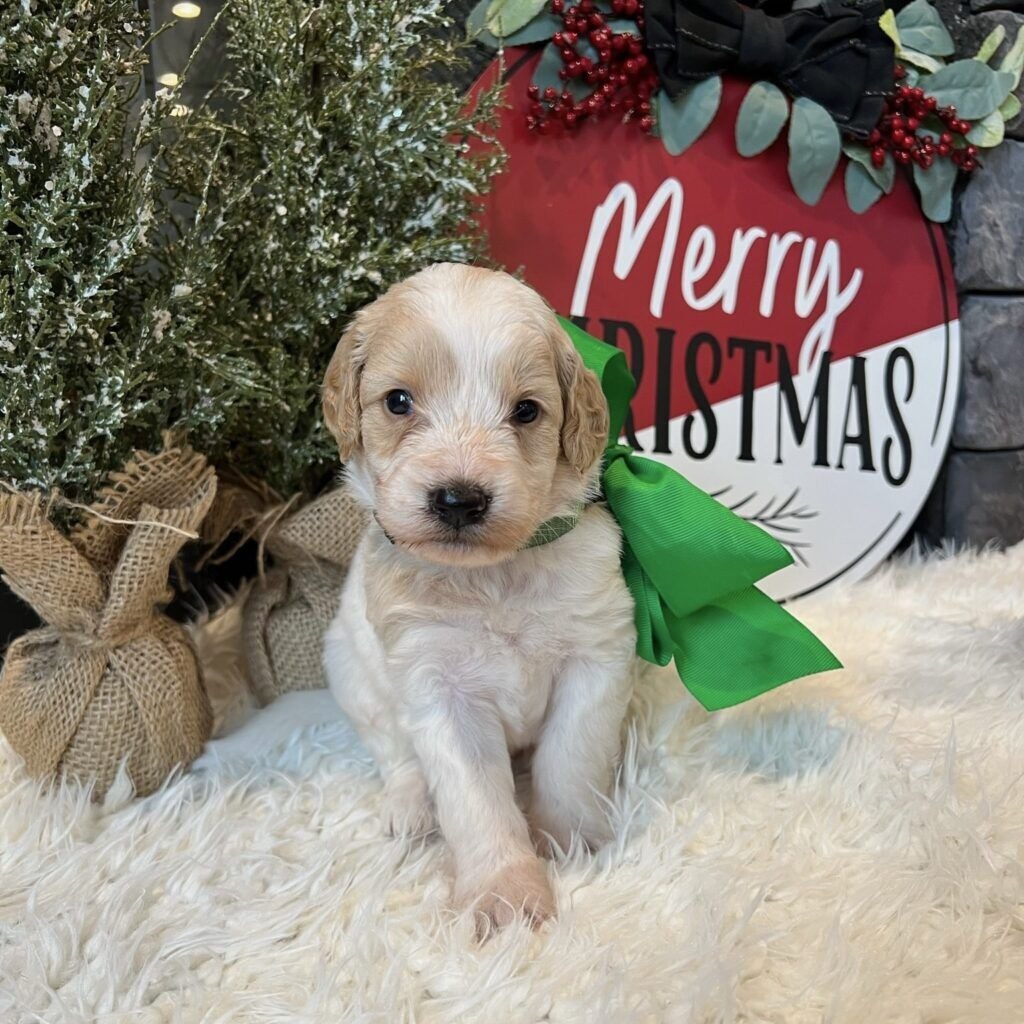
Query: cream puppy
x=466, y=419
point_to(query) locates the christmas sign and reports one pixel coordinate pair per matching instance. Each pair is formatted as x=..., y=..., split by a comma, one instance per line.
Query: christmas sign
x=798, y=362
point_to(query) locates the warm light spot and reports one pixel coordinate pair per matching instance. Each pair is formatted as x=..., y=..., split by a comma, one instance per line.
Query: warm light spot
x=186, y=10
x=168, y=78
x=180, y=110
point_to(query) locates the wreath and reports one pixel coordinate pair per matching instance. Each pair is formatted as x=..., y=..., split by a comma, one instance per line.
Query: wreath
x=858, y=78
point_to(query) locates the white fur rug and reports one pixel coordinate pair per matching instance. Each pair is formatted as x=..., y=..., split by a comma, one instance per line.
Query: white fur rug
x=847, y=849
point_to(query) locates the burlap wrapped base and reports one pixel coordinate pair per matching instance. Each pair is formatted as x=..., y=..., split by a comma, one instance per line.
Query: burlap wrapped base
x=109, y=678
x=290, y=608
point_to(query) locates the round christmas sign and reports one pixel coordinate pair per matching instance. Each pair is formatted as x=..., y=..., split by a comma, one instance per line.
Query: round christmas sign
x=798, y=362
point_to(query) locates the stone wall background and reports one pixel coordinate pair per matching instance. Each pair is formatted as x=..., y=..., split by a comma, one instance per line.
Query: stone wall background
x=979, y=498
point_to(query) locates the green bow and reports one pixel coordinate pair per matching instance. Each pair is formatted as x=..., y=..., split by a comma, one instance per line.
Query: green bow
x=691, y=564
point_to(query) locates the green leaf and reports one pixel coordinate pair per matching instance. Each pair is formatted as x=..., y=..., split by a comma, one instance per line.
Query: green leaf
x=989, y=131
x=541, y=29
x=814, y=145
x=682, y=121
x=991, y=43
x=918, y=59
x=546, y=74
x=1010, y=107
x=887, y=23
x=884, y=177
x=862, y=192
x=622, y=26
x=476, y=25
x=972, y=87
x=921, y=28
x=935, y=184
x=763, y=112
x=507, y=16
x=1013, y=62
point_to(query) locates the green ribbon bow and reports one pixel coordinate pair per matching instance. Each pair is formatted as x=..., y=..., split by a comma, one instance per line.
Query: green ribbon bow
x=691, y=564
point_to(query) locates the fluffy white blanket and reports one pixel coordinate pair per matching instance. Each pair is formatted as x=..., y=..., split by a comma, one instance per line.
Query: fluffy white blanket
x=847, y=849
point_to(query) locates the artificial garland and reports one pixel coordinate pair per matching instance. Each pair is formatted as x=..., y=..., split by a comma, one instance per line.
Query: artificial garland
x=851, y=77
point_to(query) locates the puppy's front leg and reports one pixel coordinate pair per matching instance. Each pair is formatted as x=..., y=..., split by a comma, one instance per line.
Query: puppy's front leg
x=574, y=763
x=461, y=746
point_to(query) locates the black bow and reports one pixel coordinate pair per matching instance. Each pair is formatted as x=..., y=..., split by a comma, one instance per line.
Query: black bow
x=832, y=52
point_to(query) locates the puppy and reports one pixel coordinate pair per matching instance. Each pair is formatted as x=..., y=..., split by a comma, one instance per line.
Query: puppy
x=466, y=419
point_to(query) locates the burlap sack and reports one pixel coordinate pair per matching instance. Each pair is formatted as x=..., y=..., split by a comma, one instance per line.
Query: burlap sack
x=289, y=609
x=109, y=678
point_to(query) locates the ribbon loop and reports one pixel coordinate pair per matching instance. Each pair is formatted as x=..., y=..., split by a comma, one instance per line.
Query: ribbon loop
x=762, y=48
x=690, y=564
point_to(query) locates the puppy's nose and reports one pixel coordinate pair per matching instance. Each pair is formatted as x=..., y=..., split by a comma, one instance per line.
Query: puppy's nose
x=459, y=504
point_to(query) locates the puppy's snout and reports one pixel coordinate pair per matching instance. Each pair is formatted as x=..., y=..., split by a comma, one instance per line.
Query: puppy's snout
x=460, y=504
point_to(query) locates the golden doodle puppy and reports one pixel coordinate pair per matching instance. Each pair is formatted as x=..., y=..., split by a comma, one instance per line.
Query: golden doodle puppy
x=466, y=420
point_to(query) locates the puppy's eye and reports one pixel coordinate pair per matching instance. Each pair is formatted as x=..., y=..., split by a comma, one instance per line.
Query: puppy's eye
x=525, y=411
x=399, y=402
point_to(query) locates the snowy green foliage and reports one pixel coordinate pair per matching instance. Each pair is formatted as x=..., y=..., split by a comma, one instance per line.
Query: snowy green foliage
x=197, y=270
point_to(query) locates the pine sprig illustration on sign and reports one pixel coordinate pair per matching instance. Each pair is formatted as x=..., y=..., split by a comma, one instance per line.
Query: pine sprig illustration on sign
x=890, y=101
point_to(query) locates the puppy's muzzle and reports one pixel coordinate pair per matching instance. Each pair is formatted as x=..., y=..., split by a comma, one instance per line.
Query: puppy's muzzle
x=459, y=505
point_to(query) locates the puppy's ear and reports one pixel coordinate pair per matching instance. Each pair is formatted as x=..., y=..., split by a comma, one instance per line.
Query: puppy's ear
x=341, y=391
x=585, y=412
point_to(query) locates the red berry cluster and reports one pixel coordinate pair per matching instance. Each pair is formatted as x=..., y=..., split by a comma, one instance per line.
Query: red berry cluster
x=621, y=79
x=907, y=111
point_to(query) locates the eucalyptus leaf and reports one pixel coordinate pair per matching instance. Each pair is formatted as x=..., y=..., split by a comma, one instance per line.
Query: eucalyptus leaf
x=763, y=112
x=935, y=184
x=991, y=43
x=504, y=17
x=546, y=75
x=989, y=131
x=622, y=26
x=683, y=120
x=918, y=59
x=972, y=87
x=884, y=177
x=814, y=145
x=1013, y=62
x=476, y=25
x=1010, y=107
x=862, y=192
x=921, y=28
x=541, y=29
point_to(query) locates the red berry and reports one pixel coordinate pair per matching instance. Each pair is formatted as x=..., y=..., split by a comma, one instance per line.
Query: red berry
x=570, y=118
x=901, y=156
x=557, y=6
x=913, y=124
x=878, y=156
x=944, y=149
x=646, y=123
x=900, y=71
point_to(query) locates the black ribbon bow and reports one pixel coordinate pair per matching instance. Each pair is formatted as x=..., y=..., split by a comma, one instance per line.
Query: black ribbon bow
x=832, y=52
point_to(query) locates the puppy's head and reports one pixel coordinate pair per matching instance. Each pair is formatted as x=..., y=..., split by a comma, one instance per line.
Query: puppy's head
x=464, y=413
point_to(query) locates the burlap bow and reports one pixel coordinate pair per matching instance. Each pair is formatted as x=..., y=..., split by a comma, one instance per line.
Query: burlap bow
x=109, y=678
x=290, y=607
x=832, y=52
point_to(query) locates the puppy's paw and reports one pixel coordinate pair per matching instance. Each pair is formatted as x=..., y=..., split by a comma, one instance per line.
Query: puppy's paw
x=519, y=890
x=408, y=809
x=553, y=836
